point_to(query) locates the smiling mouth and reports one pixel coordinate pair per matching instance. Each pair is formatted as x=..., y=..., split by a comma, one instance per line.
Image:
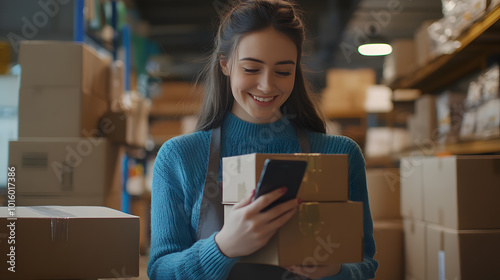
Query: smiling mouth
x=263, y=99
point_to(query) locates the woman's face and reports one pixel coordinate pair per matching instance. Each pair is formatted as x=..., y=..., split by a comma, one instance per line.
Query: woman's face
x=262, y=75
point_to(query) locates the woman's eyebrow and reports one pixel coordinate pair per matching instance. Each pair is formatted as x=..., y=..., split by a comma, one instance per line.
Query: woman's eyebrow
x=260, y=61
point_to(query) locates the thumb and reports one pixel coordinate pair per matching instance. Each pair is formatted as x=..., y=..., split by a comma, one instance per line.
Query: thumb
x=245, y=201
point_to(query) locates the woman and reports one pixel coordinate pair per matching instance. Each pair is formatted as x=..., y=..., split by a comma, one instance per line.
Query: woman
x=256, y=100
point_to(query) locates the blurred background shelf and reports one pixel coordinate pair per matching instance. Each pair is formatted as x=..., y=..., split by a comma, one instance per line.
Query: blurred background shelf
x=477, y=43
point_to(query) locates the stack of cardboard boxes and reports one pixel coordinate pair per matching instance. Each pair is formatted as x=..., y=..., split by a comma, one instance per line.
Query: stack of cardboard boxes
x=449, y=206
x=384, y=196
x=325, y=216
x=66, y=88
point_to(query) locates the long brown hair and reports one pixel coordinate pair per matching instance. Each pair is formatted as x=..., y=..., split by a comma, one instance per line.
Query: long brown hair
x=240, y=18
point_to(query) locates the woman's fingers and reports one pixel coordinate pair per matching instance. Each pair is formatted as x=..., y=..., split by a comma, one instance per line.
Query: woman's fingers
x=265, y=200
x=282, y=219
x=247, y=200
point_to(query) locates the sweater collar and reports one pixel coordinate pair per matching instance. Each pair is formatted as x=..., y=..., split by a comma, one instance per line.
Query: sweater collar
x=235, y=128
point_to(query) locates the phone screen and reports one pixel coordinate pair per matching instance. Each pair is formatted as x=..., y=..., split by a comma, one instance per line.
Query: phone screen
x=281, y=173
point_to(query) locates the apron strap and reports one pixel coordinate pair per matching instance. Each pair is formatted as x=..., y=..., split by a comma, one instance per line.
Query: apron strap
x=211, y=209
x=305, y=147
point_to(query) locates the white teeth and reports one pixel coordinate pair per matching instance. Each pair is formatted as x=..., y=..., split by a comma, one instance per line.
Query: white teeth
x=263, y=99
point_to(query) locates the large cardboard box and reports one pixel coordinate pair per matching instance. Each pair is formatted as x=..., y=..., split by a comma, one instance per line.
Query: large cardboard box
x=388, y=237
x=462, y=254
x=64, y=87
x=63, y=65
x=461, y=192
x=318, y=234
x=415, y=249
x=325, y=179
x=412, y=189
x=384, y=193
x=75, y=242
x=63, y=166
x=59, y=112
x=401, y=62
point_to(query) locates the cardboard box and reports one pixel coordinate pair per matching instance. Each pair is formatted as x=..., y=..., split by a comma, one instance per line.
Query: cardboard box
x=318, y=234
x=412, y=189
x=128, y=127
x=450, y=109
x=401, y=62
x=64, y=88
x=325, y=179
x=63, y=166
x=461, y=192
x=63, y=65
x=384, y=193
x=57, y=242
x=59, y=112
x=345, y=91
x=462, y=254
x=415, y=249
x=388, y=237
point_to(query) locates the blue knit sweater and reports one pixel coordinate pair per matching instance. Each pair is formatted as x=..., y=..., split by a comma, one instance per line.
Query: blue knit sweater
x=178, y=181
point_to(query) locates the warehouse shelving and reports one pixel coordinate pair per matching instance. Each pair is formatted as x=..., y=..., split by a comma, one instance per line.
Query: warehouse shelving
x=477, y=43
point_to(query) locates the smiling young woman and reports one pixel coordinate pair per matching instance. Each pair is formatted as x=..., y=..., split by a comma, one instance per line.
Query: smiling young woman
x=262, y=75
x=256, y=101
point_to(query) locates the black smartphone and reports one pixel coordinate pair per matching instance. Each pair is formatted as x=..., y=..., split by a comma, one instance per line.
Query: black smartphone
x=281, y=173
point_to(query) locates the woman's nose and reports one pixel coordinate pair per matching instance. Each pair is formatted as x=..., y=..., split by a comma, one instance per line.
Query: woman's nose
x=266, y=83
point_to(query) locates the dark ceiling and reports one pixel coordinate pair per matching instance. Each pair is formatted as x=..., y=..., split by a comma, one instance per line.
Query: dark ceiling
x=185, y=29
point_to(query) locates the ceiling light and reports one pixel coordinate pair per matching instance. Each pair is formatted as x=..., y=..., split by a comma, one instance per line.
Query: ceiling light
x=375, y=49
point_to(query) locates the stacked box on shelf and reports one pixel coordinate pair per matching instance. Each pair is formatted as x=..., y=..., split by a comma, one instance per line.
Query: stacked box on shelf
x=325, y=213
x=65, y=90
x=384, y=197
x=401, y=62
x=462, y=230
x=345, y=91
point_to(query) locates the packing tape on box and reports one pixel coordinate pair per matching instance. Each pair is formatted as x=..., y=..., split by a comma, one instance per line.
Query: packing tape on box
x=314, y=162
x=310, y=223
x=59, y=222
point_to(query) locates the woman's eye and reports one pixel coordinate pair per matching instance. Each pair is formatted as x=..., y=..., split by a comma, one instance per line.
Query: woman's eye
x=284, y=73
x=250, y=70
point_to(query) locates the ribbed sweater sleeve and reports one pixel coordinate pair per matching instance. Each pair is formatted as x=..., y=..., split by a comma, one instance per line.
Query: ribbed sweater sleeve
x=328, y=144
x=175, y=254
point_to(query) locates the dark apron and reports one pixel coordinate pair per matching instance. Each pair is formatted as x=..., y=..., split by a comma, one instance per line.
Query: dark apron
x=212, y=215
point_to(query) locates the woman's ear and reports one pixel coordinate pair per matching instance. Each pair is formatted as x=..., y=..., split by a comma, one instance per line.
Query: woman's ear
x=223, y=65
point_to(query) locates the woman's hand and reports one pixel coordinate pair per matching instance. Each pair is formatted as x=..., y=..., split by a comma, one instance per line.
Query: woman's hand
x=247, y=229
x=315, y=272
